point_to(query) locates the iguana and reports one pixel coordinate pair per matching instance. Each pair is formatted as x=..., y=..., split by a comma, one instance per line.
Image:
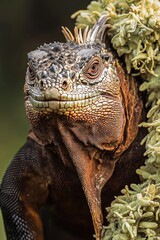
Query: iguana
x=83, y=144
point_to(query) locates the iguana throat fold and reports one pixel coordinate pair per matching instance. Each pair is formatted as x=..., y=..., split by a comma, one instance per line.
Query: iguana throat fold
x=92, y=173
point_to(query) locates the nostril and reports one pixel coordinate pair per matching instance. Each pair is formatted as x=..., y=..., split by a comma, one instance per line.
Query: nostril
x=44, y=74
x=41, y=84
x=65, y=84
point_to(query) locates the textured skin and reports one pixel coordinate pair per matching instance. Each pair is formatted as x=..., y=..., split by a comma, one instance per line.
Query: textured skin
x=84, y=114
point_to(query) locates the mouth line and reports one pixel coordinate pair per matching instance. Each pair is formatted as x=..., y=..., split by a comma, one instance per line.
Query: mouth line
x=54, y=95
x=61, y=100
x=61, y=104
x=67, y=102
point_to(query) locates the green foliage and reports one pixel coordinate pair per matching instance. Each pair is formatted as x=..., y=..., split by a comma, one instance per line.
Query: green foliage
x=134, y=30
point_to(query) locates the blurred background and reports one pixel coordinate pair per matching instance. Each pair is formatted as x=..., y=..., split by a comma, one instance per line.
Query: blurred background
x=24, y=25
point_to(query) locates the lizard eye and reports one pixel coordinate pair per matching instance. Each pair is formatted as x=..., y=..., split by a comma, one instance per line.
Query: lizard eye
x=93, y=68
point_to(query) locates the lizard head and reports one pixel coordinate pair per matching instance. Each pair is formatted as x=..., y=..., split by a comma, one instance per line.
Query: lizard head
x=70, y=79
x=82, y=82
x=75, y=79
x=79, y=80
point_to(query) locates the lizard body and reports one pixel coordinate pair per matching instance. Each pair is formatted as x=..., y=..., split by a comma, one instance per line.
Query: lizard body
x=84, y=113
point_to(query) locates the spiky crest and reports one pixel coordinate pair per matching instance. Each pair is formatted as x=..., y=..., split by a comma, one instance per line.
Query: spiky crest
x=96, y=33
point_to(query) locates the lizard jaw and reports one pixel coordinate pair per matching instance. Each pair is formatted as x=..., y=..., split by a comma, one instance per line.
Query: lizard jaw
x=53, y=102
x=61, y=106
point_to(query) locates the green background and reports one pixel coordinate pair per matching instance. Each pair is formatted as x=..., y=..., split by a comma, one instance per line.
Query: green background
x=24, y=25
